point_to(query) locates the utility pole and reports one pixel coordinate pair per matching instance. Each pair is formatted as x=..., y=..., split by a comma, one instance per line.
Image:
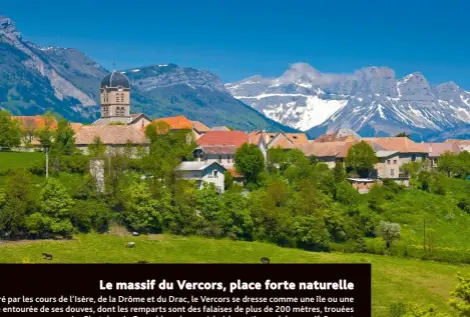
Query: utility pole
x=47, y=161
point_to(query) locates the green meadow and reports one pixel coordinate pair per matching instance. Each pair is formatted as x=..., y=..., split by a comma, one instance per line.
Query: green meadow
x=394, y=279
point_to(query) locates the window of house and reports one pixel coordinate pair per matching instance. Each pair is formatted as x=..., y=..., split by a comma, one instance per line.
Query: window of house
x=220, y=158
x=216, y=173
x=394, y=161
x=122, y=97
x=388, y=161
x=413, y=158
x=392, y=172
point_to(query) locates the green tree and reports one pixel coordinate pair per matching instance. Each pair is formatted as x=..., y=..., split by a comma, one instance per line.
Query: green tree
x=276, y=157
x=389, y=232
x=90, y=215
x=234, y=217
x=46, y=133
x=97, y=148
x=208, y=201
x=54, y=200
x=361, y=158
x=10, y=131
x=249, y=161
x=310, y=233
x=228, y=180
x=339, y=172
x=403, y=135
x=142, y=212
x=18, y=203
x=64, y=139
x=448, y=163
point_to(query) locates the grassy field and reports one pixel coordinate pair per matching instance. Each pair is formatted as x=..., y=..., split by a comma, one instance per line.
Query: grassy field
x=13, y=160
x=394, y=279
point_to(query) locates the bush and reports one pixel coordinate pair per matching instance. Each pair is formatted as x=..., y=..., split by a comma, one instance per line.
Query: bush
x=90, y=215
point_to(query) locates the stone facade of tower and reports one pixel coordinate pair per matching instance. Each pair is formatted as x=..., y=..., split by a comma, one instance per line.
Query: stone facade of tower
x=115, y=99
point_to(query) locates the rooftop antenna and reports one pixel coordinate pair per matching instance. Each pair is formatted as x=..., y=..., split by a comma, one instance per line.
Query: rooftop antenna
x=114, y=66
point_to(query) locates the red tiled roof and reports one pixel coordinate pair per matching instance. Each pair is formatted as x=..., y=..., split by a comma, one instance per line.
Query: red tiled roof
x=76, y=126
x=282, y=141
x=298, y=138
x=402, y=144
x=436, y=149
x=212, y=138
x=177, y=123
x=326, y=149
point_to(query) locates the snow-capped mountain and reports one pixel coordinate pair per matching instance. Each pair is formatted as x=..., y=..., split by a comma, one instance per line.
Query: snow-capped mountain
x=294, y=99
x=371, y=101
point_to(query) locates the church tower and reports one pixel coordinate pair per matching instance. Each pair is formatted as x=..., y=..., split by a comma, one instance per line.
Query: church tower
x=115, y=99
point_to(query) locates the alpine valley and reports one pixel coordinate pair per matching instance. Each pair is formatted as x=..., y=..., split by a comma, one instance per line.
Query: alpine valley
x=34, y=79
x=371, y=101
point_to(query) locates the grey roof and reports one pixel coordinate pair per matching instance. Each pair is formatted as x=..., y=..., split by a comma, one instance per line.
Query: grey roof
x=196, y=166
x=115, y=79
x=383, y=153
x=376, y=147
x=217, y=149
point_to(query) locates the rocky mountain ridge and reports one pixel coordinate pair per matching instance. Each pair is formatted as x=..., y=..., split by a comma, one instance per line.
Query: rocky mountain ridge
x=371, y=101
x=34, y=79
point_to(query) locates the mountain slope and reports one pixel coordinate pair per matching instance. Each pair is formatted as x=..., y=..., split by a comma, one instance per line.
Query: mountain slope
x=370, y=101
x=168, y=90
x=34, y=79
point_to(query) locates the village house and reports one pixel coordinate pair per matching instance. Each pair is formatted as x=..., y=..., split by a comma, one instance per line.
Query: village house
x=391, y=154
x=222, y=154
x=180, y=123
x=437, y=149
x=268, y=140
x=409, y=150
x=31, y=125
x=116, y=138
x=203, y=172
x=327, y=152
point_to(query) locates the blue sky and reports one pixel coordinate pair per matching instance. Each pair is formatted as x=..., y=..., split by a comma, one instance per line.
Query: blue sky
x=237, y=39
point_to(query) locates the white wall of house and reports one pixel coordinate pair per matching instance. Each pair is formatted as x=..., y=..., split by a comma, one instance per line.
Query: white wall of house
x=213, y=174
x=221, y=159
x=388, y=167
